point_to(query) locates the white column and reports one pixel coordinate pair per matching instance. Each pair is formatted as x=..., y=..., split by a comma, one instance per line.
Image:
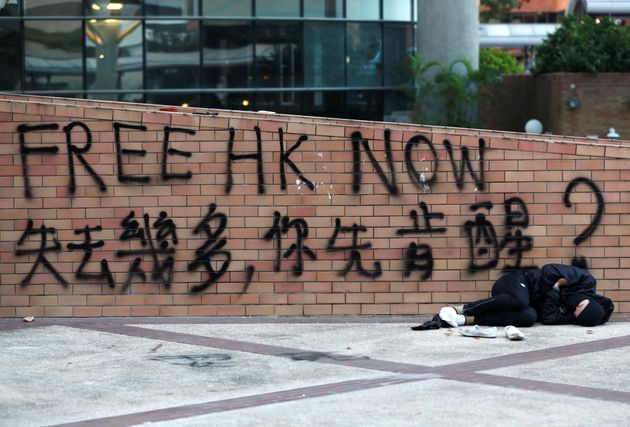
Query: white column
x=449, y=30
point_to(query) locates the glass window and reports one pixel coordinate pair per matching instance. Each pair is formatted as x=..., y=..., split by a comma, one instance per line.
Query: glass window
x=323, y=9
x=279, y=102
x=397, y=10
x=53, y=7
x=114, y=54
x=11, y=54
x=364, y=105
x=324, y=55
x=399, y=41
x=229, y=101
x=227, y=7
x=278, y=8
x=172, y=49
x=10, y=8
x=325, y=104
x=363, y=10
x=364, y=54
x=180, y=99
x=115, y=8
x=123, y=97
x=53, y=55
x=228, y=54
x=278, y=54
x=398, y=107
x=171, y=8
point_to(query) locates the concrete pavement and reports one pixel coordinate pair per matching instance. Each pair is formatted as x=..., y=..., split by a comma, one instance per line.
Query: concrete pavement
x=309, y=371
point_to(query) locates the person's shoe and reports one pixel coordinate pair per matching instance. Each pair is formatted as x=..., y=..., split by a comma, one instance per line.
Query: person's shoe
x=478, y=331
x=450, y=316
x=512, y=333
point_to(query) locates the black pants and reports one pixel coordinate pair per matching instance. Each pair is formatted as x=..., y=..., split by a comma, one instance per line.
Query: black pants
x=509, y=304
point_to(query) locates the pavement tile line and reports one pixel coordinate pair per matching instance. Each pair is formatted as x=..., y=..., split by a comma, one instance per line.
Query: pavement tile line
x=206, y=408
x=367, y=363
x=535, y=355
x=256, y=348
x=403, y=372
x=536, y=385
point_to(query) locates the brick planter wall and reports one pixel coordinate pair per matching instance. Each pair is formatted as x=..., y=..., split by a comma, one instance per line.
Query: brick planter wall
x=385, y=218
x=604, y=103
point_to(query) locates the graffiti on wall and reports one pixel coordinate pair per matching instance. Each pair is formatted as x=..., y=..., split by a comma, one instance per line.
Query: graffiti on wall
x=152, y=242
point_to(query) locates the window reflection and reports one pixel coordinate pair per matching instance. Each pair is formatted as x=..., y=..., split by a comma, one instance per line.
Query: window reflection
x=323, y=9
x=325, y=103
x=114, y=8
x=364, y=105
x=278, y=8
x=172, y=49
x=123, y=97
x=11, y=54
x=364, y=54
x=227, y=7
x=53, y=55
x=114, y=54
x=397, y=10
x=171, y=8
x=9, y=8
x=228, y=54
x=279, y=102
x=53, y=7
x=229, y=100
x=179, y=99
x=278, y=54
x=323, y=59
x=363, y=9
x=399, y=42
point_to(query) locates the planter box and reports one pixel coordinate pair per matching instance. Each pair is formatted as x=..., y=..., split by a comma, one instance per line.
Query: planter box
x=604, y=102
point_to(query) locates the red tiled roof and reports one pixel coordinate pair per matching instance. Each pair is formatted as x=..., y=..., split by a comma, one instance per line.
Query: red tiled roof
x=548, y=6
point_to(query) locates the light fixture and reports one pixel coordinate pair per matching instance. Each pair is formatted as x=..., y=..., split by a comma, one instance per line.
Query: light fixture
x=114, y=6
x=101, y=56
x=534, y=126
x=95, y=6
x=185, y=105
x=111, y=21
x=574, y=102
x=245, y=103
x=612, y=134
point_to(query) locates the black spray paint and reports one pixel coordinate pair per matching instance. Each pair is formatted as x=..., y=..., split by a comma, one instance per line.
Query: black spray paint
x=588, y=231
x=354, y=248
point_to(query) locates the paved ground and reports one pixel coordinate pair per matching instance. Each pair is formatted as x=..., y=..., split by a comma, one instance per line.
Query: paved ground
x=314, y=372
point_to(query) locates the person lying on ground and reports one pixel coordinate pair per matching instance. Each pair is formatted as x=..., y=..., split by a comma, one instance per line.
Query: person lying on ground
x=556, y=294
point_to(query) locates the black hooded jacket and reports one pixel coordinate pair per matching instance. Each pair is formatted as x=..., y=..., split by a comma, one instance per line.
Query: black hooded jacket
x=549, y=301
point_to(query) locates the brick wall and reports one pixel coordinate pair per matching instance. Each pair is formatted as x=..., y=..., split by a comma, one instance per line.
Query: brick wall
x=604, y=99
x=415, y=224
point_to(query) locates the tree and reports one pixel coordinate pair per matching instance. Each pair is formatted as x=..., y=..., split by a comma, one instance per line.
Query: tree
x=499, y=61
x=585, y=45
x=498, y=9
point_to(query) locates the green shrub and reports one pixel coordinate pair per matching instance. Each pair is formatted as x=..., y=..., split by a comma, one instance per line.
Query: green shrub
x=499, y=62
x=446, y=95
x=585, y=45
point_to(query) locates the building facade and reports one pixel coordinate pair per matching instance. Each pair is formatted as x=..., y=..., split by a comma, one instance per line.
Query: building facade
x=341, y=58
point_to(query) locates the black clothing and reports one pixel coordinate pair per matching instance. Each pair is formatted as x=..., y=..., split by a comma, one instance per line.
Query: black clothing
x=521, y=298
x=434, y=323
x=509, y=304
x=554, y=309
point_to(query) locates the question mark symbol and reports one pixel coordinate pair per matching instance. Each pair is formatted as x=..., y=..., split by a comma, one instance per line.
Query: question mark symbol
x=588, y=231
